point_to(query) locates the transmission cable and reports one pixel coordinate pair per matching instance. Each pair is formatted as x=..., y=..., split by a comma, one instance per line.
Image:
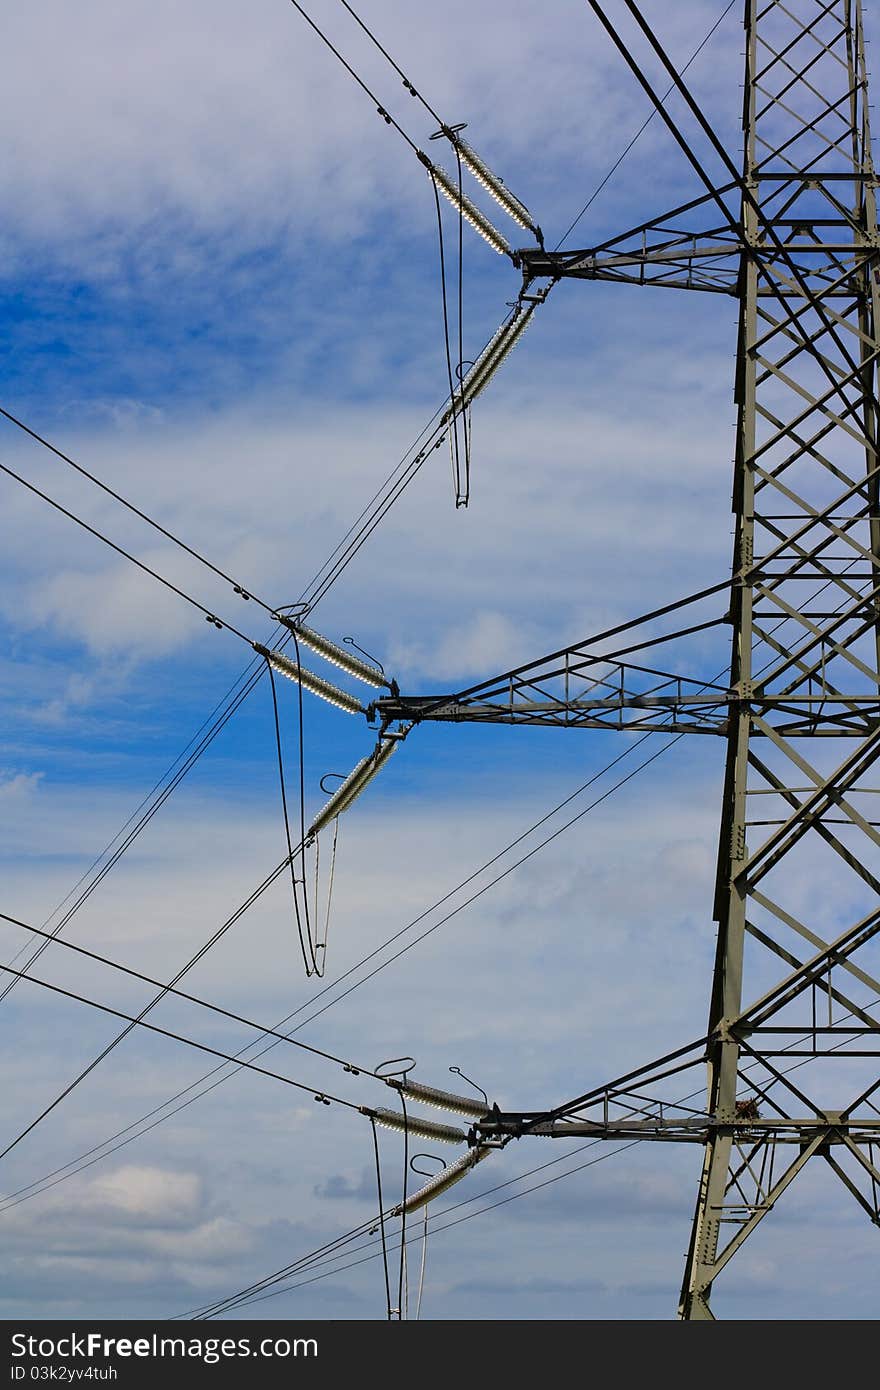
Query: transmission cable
x=65, y=458
x=402, y=1281
x=190, y=998
x=220, y=932
x=39, y=438
x=302, y=818
x=453, y=431
x=257, y=1293
x=610, y=1153
x=460, y=369
x=406, y=82
x=138, y=1020
x=389, y=120
x=228, y=1304
x=381, y=1218
x=209, y=616
x=308, y=956
x=621, y=157
x=429, y=439
x=167, y=784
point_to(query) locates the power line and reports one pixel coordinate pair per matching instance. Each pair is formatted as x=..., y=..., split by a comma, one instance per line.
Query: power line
x=154, y=574
x=328, y=579
x=167, y=784
x=329, y=1245
x=406, y=82
x=389, y=120
x=210, y=616
x=221, y=931
x=309, y=961
x=381, y=502
x=453, y=425
x=640, y=132
x=190, y=998
x=138, y=1020
x=53, y=449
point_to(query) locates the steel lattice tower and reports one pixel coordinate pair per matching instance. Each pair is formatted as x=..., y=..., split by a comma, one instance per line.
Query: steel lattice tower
x=805, y=558
x=792, y=235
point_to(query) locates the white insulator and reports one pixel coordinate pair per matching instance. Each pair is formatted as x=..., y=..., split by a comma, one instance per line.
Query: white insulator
x=345, y=660
x=489, y=360
x=353, y=785
x=471, y=213
x=309, y=681
x=487, y=364
x=496, y=187
x=415, y=1125
x=441, y=1100
x=434, y=1186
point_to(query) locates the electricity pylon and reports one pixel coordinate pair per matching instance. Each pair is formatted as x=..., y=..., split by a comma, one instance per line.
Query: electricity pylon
x=792, y=236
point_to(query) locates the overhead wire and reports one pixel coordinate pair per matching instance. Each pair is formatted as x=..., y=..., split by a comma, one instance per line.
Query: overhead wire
x=191, y=998
x=263, y=1289
x=327, y=581
x=144, y=516
x=568, y=1173
x=381, y=1217
x=144, y=801
x=154, y=574
x=300, y=724
x=389, y=120
x=555, y=1179
x=384, y=51
x=640, y=132
x=402, y=1288
x=331, y=1245
x=791, y=318
x=384, y=497
x=453, y=429
x=379, y=506
x=307, y=955
x=139, y=1021
x=466, y=428
x=164, y=788
x=367, y=521
x=212, y=940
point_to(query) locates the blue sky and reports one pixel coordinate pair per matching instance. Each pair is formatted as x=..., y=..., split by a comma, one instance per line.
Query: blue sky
x=220, y=292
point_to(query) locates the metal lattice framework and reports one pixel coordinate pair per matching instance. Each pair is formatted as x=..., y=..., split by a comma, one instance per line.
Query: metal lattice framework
x=793, y=236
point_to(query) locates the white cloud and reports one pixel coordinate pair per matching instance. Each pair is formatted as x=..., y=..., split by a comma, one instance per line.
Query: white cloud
x=238, y=117
x=15, y=787
x=147, y=1195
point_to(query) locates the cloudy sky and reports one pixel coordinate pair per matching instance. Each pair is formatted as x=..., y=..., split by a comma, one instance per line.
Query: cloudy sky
x=220, y=283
